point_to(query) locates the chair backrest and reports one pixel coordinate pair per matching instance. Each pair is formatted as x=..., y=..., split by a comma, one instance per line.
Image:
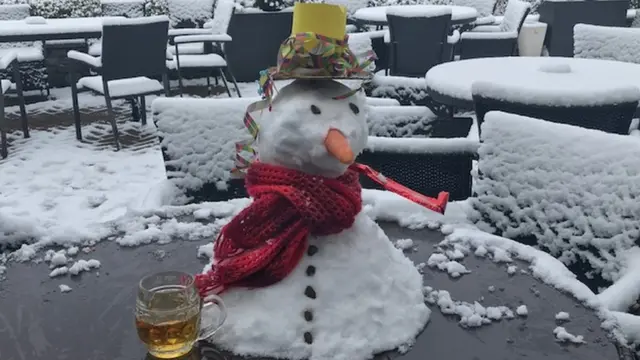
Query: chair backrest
x=515, y=15
x=484, y=7
x=134, y=47
x=222, y=16
x=361, y=45
x=606, y=43
x=418, y=40
x=610, y=110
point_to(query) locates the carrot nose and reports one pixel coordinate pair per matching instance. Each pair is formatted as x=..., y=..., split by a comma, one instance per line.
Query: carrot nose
x=338, y=146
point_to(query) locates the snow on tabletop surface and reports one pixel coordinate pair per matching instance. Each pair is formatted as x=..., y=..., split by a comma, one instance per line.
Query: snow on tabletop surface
x=53, y=26
x=351, y=5
x=35, y=20
x=123, y=21
x=64, y=288
x=384, y=285
x=606, y=42
x=122, y=87
x=562, y=316
x=558, y=97
x=418, y=12
x=586, y=76
x=571, y=188
x=379, y=13
x=562, y=335
x=422, y=145
x=471, y=315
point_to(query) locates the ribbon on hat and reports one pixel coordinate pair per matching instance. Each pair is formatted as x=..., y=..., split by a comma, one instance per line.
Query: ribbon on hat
x=245, y=151
x=310, y=55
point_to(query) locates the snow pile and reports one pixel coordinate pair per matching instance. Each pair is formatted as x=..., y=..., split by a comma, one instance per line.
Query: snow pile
x=562, y=316
x=562, y=335
x=471, y=315
x=64, y=288
x=199, y=138
x=408, y=91
x=190, y=11
x=400, y=121
x=442, y=262
x=128, y=8
x=607, y=43
x=573, y=190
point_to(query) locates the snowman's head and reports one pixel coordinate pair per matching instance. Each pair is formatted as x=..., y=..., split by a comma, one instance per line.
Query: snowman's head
x=311, y=131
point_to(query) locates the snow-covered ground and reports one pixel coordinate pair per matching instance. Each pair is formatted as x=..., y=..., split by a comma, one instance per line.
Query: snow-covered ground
x=57, y=193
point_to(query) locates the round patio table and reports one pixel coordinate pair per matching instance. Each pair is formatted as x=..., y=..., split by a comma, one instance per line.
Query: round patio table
x=377, y=16
x=450, y=83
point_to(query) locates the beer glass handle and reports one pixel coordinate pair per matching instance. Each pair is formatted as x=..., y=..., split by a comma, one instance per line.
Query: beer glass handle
x=208, y=330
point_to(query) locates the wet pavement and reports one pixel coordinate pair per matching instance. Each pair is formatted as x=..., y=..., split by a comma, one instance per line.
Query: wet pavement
x=95, y=320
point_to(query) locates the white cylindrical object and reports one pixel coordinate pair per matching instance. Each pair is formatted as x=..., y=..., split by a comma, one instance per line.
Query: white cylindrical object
x=531, y=39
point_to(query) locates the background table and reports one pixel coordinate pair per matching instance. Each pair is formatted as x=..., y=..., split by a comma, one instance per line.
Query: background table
x=53, y=29
x=450, y=83
x=377, y=16
x=95, y=320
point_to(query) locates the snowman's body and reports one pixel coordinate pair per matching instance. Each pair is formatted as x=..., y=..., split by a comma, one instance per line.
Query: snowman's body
x=353, y=294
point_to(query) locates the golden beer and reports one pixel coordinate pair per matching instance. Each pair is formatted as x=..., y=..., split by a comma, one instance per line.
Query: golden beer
x=168, y=310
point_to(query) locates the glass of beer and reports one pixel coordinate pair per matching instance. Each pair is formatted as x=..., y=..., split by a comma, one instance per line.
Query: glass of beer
x=169, y=311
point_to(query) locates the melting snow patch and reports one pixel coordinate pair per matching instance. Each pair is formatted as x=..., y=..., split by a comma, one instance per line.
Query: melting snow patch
x=404, y=244
x=59, y=271
x=471, y=315
x=562, y=316
x=83, y=265
x=64, y=288
x=562, y=335
x=511, y=269
x=522, y=310
x=58, y=259
x=442, y=262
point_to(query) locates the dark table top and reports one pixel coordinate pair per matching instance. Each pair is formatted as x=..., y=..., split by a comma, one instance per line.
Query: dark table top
x=95, y=320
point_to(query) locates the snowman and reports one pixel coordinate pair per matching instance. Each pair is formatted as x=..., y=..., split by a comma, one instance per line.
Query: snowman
x=303, y=272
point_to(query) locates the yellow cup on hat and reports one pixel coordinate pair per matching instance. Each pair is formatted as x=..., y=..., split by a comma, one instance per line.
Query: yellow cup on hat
x=322, y=19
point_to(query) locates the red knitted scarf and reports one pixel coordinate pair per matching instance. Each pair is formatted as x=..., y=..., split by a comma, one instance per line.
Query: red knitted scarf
x=265, y=241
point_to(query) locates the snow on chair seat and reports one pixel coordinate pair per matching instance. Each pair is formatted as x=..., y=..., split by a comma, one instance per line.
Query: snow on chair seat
x=25, y=54
x=122, y=87
x=606, y=43
x=198, y=61
x=572, y=192
x=608, y=108
x=6, y=85
x=406, y=90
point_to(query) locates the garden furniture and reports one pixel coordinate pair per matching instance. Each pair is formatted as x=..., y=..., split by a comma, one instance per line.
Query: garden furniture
x=377, y=16
x=144, y=41
x=562, y=16
x=418, y=40
x=496, y=40
x=213, y=59
x=34, y=29
x=9, y=61
x=606, y=43
x=608, y=109
x=451, y=83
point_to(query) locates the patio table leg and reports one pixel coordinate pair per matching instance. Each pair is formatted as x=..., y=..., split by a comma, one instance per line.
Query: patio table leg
x=76, y=107
x=3, y=128
x=23, y=109
x=112, y=115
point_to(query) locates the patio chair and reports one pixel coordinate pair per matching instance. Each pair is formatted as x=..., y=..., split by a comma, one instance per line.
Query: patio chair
x=30, y=55
x=485, y=9
x=213, y=59
x=496, y=40
x=417, y=40
x=606, y=43
x=611, y=111
x=133, y=58
x=9, y=60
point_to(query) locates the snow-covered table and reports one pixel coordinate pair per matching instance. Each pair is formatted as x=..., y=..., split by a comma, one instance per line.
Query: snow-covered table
x=95, y=319
x=451, y=83
x=377, y=16
x=51, y=29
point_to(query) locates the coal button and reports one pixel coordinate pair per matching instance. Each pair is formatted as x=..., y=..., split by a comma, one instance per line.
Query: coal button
x=308, y=315
x=311, y=270
x=310, y=292
x=308, y=338
x=312, y=250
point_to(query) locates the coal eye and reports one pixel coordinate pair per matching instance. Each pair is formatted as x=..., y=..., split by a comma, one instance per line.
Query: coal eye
x=354, y=108
x=315, y=110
